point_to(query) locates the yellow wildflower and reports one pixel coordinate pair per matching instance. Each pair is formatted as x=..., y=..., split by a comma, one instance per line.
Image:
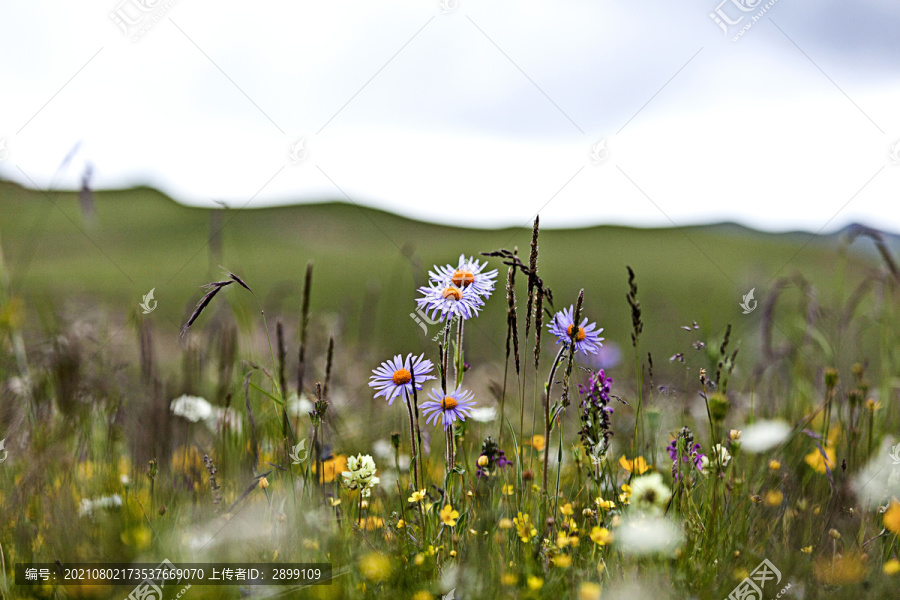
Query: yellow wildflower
x=449, y=516
x=891, y=567
x=601, y=536
x=524, y=527
x=892, y=517
x=416, y=496
x=638, y=465
x=588, y=590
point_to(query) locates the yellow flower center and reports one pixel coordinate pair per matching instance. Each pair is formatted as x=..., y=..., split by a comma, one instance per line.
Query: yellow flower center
x=401, y=376
x=452, y=292
x=463, y=278
x=578, y=336
x=448, y=403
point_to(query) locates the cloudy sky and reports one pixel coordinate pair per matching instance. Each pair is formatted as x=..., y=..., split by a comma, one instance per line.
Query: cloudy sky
x=781, y=115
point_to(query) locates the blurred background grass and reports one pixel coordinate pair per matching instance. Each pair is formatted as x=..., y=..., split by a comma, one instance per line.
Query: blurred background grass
x=368, y=263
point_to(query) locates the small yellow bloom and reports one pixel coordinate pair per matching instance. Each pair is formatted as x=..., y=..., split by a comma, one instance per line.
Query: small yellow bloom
x=566, y=509
x=371, y=523
x=509, y=579
x=774, y=498
x=806, y=549
x=892, y=517
x=401, y=524
x=332, y=501
x=604, y=504
x=537, y=442
x=601, y=536
x=535, y=583
x=734, y=435
x=834, y=534
x=638, y=465
x=449, y=516
x=562, y=540
x=872, y=405
x=891, y=567
x=422, y=595
x=375, y=566
x=563, y=561
x=505, y=524
x=524, y=527
x=453, y=554
x=263, y=482
x=416, y=496
x=774, y=465
x=588, y=590
x=419, y=559
x=508, y=490
x=483, y=461
x=818, y=462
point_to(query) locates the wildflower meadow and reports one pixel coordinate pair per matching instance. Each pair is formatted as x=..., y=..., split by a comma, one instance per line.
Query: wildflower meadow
x=555, y=461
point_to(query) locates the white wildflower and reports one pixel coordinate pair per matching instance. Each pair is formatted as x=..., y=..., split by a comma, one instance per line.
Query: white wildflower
x=719, y=451
x=192, y=408
x=648, y=535
x=649, y=493
x=89, y=506
x=361, y=474
x=484, y=414
x=763, y=435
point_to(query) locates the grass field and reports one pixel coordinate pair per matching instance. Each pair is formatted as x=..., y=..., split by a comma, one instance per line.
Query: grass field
x=124, y=442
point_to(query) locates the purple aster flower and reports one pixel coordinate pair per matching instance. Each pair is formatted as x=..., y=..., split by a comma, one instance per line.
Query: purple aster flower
x=468, y=273
x=455, y=405
x=394, y=377
x=449, y=301
x=491, y=457
x=586, y=338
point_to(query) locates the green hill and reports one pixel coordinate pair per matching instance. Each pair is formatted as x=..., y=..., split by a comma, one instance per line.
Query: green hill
x=368, y=263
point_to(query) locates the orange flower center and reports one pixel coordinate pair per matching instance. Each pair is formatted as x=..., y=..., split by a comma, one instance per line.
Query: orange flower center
x=401, y=376
x=578, y=336
x=448, y=403
x=452, y=292
x=463, y=278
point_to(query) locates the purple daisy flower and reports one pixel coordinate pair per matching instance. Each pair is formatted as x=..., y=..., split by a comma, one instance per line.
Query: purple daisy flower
x=586, y=338
x=455, y=405
x=449, y=301
x=468, y=273
x=394, y=377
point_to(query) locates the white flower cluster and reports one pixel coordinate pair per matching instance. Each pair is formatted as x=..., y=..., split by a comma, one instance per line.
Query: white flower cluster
x=196, y=409
x=723, y=458
x=192, y=408
x=88, y=506
x=361, y=474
